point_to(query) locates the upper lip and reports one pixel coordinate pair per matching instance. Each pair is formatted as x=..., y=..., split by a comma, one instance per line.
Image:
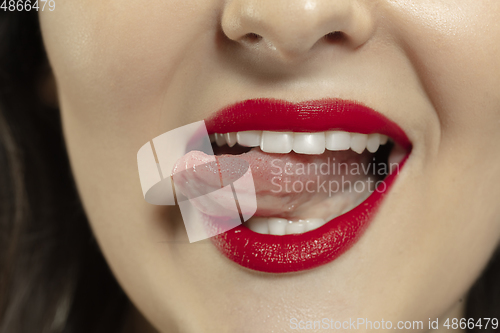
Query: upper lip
x=309, y=116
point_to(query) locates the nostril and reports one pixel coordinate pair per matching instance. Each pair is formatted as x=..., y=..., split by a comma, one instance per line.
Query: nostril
x=252, y=37
x=335, y=36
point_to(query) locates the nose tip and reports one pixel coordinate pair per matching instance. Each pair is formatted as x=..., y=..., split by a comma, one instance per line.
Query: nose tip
x=293, y=27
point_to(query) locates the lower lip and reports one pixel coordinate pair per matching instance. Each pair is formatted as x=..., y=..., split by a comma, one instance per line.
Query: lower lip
x=293, y=253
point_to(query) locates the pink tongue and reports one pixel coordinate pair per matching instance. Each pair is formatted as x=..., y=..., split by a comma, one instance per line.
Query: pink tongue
x=283, y=182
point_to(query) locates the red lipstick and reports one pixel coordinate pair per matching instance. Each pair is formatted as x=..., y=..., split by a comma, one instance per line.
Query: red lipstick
x=292, y=253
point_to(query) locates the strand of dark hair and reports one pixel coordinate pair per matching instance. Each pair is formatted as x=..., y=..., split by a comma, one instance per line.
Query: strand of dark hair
x=53, y=277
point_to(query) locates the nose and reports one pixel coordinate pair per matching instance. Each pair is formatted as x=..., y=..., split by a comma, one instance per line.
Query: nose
x=293, y=27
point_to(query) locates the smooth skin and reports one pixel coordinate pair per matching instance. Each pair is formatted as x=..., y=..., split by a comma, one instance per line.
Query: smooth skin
x=127, y=71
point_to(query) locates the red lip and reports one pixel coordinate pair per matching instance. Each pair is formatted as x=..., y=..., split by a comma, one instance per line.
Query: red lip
x=291, y=253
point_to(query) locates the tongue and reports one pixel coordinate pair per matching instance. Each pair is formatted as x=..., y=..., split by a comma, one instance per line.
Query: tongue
x=284, y=183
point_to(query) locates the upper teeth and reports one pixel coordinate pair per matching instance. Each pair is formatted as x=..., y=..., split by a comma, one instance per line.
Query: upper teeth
x=302, y=143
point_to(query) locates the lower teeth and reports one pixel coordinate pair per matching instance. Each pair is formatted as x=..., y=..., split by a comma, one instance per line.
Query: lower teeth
x=278, y=226
x=281, y=226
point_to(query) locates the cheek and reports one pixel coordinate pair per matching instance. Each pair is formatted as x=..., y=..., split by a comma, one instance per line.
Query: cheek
x=123, y=55
x=113, y=64
x=454, y=49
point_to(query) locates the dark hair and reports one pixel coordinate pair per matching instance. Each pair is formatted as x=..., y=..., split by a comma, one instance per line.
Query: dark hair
x=53, y=277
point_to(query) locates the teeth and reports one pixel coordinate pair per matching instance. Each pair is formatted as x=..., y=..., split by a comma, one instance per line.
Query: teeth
x=276, y=142
x=338, y=140
x=220, y=140
x=373, y=142
x=258, y=225
x=295, y=227
x=309, y=143
x=277, y=226
x=281, y=227
x=358, y=142
x=302, y=143
x=312, y=224
x=230, y=138
x=249, y=138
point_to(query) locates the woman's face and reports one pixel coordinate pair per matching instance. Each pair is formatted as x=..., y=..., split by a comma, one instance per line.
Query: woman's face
x=129, y=71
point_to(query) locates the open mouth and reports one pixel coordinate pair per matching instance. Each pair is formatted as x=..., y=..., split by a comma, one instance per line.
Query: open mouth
x=321, y=170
